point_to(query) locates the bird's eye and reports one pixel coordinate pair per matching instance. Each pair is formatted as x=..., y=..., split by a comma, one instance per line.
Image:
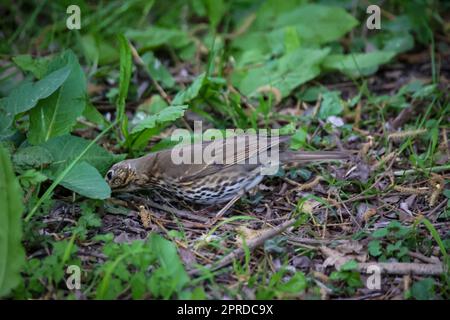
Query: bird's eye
x=109, y=175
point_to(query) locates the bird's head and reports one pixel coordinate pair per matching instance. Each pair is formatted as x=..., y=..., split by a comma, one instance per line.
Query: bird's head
x=121, y=175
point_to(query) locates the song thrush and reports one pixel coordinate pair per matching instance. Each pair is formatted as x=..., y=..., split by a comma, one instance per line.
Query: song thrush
x=231, y=171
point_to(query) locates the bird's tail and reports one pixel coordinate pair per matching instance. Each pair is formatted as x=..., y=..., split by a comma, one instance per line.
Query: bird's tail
x=307, y=156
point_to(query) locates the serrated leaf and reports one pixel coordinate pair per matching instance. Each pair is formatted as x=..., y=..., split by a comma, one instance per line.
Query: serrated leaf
x=85, y=180
x=37, y=66
x=57, y=114
x=12, y=255
x=191, y=92
x=167, y=114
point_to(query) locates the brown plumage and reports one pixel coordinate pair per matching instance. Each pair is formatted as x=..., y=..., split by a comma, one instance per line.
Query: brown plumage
x=237, y=166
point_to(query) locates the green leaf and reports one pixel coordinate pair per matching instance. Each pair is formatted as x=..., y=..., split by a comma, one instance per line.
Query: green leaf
x=154, y=37
x=283, y=74
x=66, y=148
x=97, y=50
x=374, y=248
x=380, y=233
x=93, y=115
x=317, y=23
x=12, y=254
x=154, y=105
x=27, y=94
x=314, y=24
x=37, y=66
x=216, y=10
x=358, y=64
x=137, y=283
x=125, y=75
x=168, y=114
x=349, y=265
x=31, y=177
x=331, y=105
x=170, y=262
x=85, y=180
x=68, y=166
x=296, y=284
x=57, y=114
x=157, y=70
x=32, y=157
x=298, y=140
x=423, y=289
x=190, y=93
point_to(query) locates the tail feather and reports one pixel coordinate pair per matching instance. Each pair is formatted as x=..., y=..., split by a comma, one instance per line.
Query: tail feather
x=307, y=156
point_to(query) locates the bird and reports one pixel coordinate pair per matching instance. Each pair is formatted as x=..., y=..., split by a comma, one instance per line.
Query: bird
x=235, y=165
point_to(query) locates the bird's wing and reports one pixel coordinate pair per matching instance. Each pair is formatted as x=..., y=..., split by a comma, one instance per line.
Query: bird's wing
x=228, y=152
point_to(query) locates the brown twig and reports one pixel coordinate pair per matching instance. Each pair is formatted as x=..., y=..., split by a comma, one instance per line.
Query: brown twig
x=251, y=244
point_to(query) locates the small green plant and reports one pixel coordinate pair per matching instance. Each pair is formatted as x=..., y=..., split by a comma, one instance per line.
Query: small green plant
x=347, y=279
x=392, y=241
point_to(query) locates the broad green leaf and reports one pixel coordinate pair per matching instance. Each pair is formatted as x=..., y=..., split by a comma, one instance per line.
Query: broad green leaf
x=317, y=23
x=358, y=64
x=57, y=114
x=424, y=289
x=87, y=181
x=314, y=25
x=169, y=260
x=284, y=74
x=93, y=115
x=12, y=255
x=32, y=157
x=190, y=93
x=349, y=265
x=66, y=148
x=27, y=94
x=374, y=248
x=97, y=49
x=167, y=114
x=37, y=66
x=296, y=284
x=155, y=37
x=215, y=9
x=5, y=124
x=298, y=140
